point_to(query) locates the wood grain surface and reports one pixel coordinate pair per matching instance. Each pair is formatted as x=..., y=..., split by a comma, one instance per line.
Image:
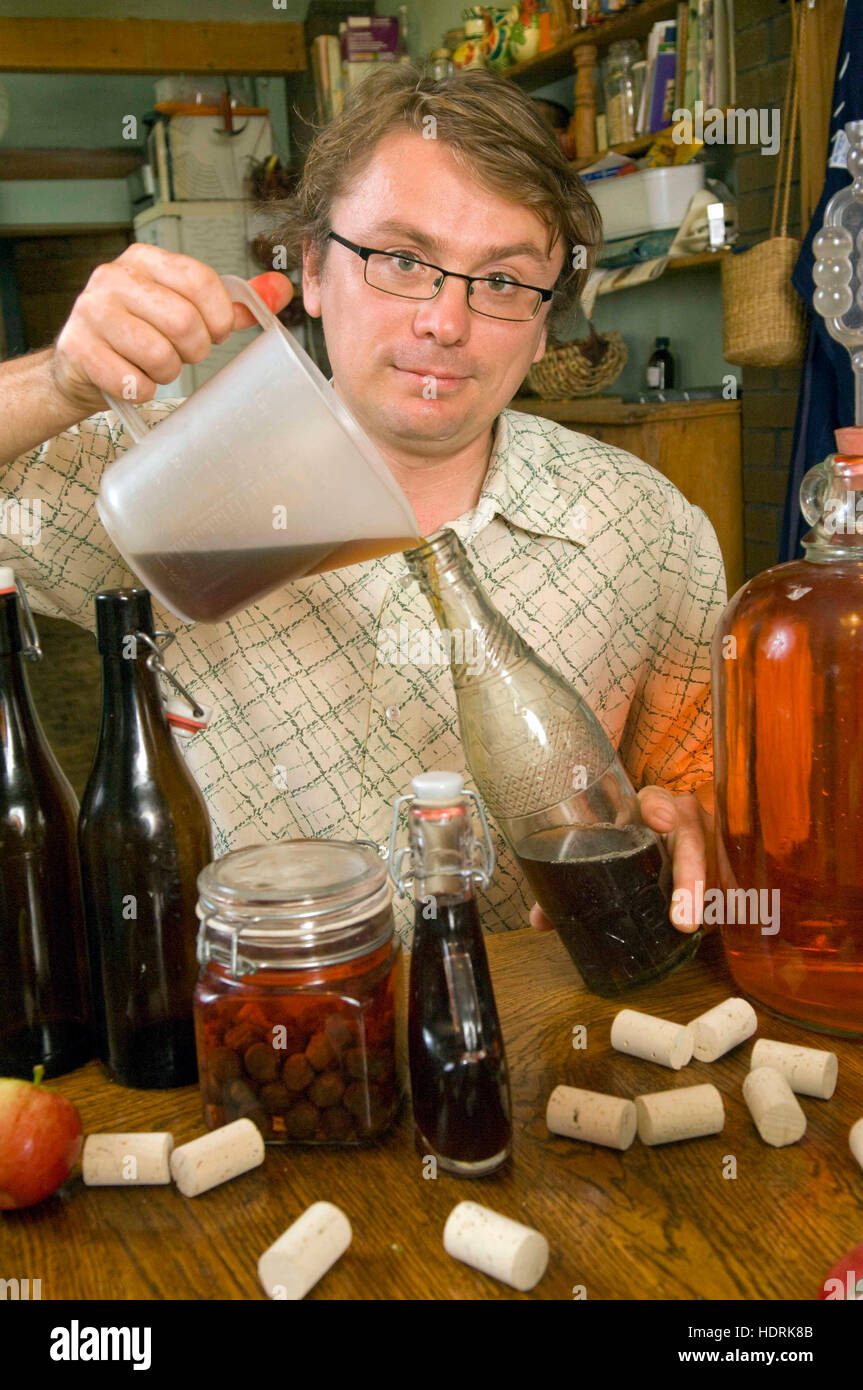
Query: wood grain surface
x=661, y=1223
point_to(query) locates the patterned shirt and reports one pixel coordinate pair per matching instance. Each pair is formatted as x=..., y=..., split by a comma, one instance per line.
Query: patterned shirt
x=597, y=560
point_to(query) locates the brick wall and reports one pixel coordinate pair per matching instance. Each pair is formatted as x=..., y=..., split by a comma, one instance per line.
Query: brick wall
x=769, y=400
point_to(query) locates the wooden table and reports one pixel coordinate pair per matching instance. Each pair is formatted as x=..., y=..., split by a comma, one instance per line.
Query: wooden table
x=662, y=1223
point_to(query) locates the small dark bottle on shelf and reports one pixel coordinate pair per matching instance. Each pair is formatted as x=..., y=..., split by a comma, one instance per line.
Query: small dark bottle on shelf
x=660, y=367
x=144, y=836
x=459, y=1078
x=43, y=962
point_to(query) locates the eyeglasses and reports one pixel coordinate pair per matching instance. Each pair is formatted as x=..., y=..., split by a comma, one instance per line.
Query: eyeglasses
x=400, y=273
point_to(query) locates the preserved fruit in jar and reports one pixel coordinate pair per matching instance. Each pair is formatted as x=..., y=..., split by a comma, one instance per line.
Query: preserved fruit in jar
x=296, y=1003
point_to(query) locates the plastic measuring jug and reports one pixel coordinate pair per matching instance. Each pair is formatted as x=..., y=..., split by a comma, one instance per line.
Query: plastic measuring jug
x=262, y=477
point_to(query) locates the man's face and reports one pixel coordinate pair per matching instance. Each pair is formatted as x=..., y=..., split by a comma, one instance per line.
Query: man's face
x=383, y=348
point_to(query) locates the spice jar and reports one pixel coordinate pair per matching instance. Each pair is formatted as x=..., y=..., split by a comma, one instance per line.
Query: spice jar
x=296, y=1002
x=440, y=62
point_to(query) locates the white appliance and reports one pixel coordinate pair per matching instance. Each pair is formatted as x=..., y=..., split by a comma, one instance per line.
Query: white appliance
x=205, y=160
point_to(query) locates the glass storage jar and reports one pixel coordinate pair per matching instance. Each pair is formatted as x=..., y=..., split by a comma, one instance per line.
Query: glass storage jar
x=620, y=107
x=297, y=998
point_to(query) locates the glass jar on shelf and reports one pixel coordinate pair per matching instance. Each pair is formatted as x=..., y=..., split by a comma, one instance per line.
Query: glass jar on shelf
x=440, y=64
x=620, y=95
x=297, y=998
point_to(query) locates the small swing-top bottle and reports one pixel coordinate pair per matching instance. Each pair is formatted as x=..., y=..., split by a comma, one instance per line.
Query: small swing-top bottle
x=459, y=1079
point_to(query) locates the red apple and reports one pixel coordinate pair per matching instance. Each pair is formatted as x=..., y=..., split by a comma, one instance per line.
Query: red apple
x=40, y=1141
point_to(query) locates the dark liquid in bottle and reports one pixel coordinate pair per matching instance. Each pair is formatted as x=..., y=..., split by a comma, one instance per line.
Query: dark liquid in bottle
x=60, y=1046
x=607, y=891
x=42, y=961
x=210, y=585
x=153, y=1055
x=459, y=1081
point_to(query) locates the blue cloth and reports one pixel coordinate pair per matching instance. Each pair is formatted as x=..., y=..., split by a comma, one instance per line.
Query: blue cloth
x=826, y=398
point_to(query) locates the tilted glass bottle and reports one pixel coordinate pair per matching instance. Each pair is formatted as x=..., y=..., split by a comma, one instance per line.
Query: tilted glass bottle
x=459, y=1078
x=788, y=731
x=555, y=787
x=144, y=836
x=43, y=962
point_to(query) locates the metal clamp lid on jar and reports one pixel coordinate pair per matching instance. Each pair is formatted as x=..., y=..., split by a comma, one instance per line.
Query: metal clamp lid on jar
x=441, y=789
x=293, y=905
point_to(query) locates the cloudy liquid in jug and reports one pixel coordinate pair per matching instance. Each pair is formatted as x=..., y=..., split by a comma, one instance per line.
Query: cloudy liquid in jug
x=211, y=585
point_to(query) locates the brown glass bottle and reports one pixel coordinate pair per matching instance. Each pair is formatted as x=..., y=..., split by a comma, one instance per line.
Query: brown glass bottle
x=144, y=836
x=43, y=963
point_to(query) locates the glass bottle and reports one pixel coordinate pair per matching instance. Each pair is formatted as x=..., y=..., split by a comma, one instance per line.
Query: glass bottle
x=555, y=787
x=43, y=962
x=788, y=731
x=660, y=367
x=144, y=836
x=459, y=1078
x=620, y=108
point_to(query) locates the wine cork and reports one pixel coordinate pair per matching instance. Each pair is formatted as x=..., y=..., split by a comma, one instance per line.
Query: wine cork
x=301, y=1256
x=591, y=1116
x=217, y=1157
x=126, y=1160
x=654, y=1039
x=774, y=1107
x=855, y=1141
x=686, y=1113
x=723, y=1027
x=808, y=1070
x=497, y=1246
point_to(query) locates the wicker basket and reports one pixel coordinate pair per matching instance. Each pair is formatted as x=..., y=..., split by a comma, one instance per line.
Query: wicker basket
x=763, y=318
x=570, y=369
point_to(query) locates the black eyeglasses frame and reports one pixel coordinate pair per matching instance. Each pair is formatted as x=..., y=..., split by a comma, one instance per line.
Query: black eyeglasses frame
x=365, y=251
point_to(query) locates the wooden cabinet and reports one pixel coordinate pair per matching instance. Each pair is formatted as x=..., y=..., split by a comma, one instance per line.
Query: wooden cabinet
x=696, y=444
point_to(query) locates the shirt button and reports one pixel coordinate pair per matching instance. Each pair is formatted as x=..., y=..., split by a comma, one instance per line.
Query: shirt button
x=392, y=714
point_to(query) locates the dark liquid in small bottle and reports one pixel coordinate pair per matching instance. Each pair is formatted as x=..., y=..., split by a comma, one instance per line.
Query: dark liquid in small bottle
x=607, y=890
x=460, y=1093
x=209, y=585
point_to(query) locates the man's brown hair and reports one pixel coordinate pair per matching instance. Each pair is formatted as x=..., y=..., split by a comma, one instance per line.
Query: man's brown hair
x=495, y=133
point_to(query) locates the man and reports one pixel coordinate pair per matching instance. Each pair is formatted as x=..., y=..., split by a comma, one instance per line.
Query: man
x=599, y=561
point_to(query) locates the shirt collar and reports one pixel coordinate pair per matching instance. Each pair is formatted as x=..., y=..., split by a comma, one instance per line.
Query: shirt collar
x=535, y=483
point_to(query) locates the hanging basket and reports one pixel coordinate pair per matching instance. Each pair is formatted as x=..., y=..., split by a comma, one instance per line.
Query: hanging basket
x=580, y=368
x=763, y=317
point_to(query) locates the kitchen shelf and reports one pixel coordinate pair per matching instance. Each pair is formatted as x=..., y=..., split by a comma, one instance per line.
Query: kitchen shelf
x=697, y=262
x=557, y=62
x=700, y=261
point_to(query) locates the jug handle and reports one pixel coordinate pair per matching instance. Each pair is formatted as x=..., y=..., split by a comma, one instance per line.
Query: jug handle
x=241, y=292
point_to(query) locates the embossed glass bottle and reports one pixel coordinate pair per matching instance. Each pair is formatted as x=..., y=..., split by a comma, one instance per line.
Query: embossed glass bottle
x=555, y=787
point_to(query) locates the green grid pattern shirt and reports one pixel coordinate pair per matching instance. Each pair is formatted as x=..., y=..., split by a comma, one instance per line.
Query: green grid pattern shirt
x=597, y=560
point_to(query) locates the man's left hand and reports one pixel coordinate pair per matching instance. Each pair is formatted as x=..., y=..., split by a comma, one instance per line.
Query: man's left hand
x=687, y=823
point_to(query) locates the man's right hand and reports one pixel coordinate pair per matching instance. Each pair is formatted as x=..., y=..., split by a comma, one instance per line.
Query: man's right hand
x=140, y=317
